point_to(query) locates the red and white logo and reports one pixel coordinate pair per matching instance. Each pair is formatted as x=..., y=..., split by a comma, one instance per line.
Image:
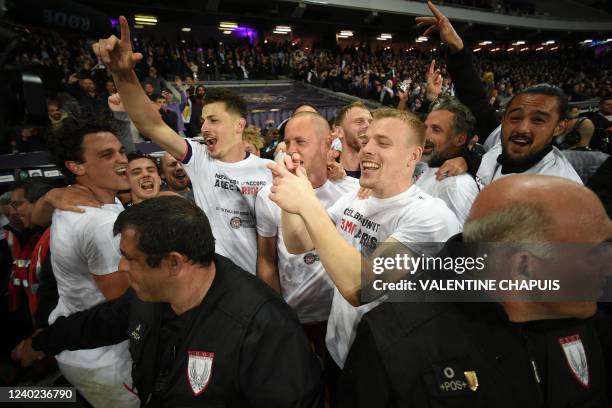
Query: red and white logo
x=199, y=370
x=576, y=358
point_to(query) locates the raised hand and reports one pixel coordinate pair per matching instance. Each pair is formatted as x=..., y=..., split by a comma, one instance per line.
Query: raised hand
x=291, y=192
x=439, y=22
x=117, y=53
x=434, y=82
x=115, y=104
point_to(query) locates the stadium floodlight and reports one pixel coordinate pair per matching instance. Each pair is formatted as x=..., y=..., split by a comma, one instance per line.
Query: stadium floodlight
x=387, y=35
x=550, y=42
x=346, y=33
x=524, y=49
x=147, y=23
x=485, y=43
x=495, y=49
x=539, y=48
x=519, y=43
x=228, y=25
x=510, y=49
x=280, y=32
x=422, y=39
x=381, y=39
x=141, y=19
x=554, y=48
x=227, y=31
x=137, y=26
x=477, y=49
x=341, y=36
x=587, y=41
x=186, y=29
x=285, y=29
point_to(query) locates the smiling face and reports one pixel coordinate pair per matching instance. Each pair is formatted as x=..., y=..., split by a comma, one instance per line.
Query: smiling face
x=144, y=179
x=355, y=124
x=308, y=135
x=441, y=143
x=389, y=152
x=174, y=174
x=222, y=131
x=104, y=164
x=530, y=122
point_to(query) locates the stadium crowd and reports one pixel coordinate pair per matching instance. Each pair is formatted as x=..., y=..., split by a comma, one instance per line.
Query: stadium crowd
x=213, y=276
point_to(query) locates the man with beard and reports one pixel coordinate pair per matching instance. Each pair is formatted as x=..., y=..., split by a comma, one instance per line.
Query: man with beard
x=397, y=212
x=85, y=252
x=449, y=128
x=176, y=180
x=225, y=180
x=352, y=121
x=532, y=117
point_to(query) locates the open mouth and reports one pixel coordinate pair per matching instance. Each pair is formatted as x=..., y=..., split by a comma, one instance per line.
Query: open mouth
x=180, y=176
x=428, y=148
x=121, y=171
x=210, y=141
x=368, y=165
x=147, y=185
x=521, y=141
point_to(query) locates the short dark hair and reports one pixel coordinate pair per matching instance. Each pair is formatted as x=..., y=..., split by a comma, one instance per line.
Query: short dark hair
x=66, y=142
x=605, y=98
x=137, y=155
x=34, y=188
x=550, y=90
x=463, y=119
x=233, y=102
x=166, y=224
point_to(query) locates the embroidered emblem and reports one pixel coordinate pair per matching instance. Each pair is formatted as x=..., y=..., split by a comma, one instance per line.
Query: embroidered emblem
x=576, y=358
x=199, y=370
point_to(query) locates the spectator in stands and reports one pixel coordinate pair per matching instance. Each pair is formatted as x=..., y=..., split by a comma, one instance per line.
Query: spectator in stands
x=169, y=117
x=577, y=134
x=56, y=114
x=197, y=104
x=602, y=120
x=84, y=91
x=156, y=81
x=143, y=177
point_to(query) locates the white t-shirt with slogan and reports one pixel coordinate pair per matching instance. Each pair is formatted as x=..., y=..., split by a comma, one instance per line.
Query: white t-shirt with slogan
x=304, y=283
x=226, y=192
x=409, y=217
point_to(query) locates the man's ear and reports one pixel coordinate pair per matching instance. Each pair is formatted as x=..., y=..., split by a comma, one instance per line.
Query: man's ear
x=75, y=167
x=522, y=265
x=175, y=262
x=240, y=125
x=415, y=155
x=560, y=128
x=460, y=139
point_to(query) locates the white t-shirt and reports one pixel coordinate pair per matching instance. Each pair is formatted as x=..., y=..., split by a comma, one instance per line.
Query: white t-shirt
x=553, y=164
x=410, y=217
x=493, y=140
x=82, y=245
x=304, y=283
x=226, y=192
x=457, y=192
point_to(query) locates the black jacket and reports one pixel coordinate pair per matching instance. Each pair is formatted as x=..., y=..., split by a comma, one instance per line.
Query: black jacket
x=422, y=354
x=260, y=356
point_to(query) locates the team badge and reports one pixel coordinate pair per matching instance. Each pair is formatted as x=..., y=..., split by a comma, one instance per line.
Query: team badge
x=310, y=258
x=576, y=358
x=235, y=222
x=199, y=370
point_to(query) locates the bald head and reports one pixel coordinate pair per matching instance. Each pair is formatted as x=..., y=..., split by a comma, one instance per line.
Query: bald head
x=315, y=122
x=565, y=210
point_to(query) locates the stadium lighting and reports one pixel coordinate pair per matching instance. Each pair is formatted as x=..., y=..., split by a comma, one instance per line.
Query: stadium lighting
x=495, y=50
x=138, y=26
x=228, y=25
x=510, y=49
x=386, y=35
x=477, y=49
x=347, y=33
x=548, y=42
x=524, y=49
x=280, y=32
x=285, y=29
x=422, y=39
x=265, y=41
x=539, y=48
x=141, y=19
x=519, y=43
x=227, y=31
x=186, y=29
x=587, y=41
x=554, y=48
x=485, y=43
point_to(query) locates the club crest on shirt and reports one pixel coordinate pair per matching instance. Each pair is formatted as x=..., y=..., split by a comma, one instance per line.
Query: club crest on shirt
x=310, y=258
x=576, y=358
x=199, y=370
x=235, y=222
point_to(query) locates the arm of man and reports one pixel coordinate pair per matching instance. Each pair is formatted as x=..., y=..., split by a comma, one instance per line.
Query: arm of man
x=102, y=325
x=267, y=267
x=66, y=198
x=277, y=367
x=118, y=56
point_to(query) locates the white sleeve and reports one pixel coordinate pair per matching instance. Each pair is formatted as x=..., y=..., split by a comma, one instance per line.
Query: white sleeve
x=267, y=214
x=195, y=153
x=101, y=246
x=459, y=193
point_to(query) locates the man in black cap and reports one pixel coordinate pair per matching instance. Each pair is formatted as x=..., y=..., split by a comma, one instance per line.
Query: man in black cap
x=201, y=331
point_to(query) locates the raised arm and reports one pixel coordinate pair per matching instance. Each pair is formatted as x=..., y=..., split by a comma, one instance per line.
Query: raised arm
x=117, y=54
x=468, y=86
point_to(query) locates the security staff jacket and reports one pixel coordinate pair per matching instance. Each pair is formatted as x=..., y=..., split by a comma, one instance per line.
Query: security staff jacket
x=470, y=355
x=241, y=347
